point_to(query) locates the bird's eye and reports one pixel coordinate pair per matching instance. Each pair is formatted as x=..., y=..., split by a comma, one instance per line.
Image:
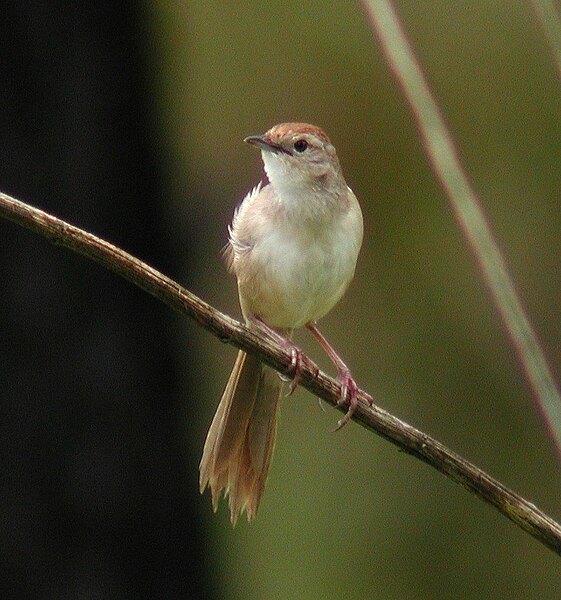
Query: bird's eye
x=300, y=145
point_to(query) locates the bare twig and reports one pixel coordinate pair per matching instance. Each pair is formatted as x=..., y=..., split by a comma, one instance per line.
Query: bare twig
x=446, y=163
x=404, y=436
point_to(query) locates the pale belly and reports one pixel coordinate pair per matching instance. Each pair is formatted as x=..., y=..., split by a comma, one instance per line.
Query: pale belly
x=288, y=281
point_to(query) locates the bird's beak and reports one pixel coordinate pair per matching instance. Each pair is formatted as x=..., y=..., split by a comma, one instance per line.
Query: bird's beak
x=265, y=143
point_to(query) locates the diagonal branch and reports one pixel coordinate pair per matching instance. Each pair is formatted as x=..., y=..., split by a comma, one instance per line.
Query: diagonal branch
x=404, y=436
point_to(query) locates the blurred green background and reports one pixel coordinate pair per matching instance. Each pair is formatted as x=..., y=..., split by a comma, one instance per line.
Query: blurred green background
x=346, y=515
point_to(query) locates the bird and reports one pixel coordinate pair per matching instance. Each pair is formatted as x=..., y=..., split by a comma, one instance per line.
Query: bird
x=293, y=246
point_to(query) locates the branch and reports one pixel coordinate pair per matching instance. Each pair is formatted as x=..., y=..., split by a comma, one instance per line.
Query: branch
x=404, y=436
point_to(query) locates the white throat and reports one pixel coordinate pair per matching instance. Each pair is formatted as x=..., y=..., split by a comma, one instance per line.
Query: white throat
x=302, y=195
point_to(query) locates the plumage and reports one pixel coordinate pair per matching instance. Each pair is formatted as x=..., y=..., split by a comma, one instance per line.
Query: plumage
x=293, y=246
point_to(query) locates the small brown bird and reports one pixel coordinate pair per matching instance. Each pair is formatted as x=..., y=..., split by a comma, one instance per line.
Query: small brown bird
x=293, y=247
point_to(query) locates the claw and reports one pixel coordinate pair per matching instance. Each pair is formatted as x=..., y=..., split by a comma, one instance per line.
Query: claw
x=287, y=344
x=348, y=388
x=296, y=367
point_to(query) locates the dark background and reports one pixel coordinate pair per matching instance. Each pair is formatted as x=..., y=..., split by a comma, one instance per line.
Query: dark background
x=95, y=501
x=127, y=119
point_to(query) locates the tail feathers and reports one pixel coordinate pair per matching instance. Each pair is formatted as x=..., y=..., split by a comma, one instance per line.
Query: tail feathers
x=240, y=441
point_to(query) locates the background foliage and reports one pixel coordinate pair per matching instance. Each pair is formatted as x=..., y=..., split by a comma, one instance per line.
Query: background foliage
x=346, y=515
x=129, y=123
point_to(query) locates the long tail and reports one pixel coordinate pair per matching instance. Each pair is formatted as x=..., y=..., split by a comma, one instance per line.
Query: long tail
x=240, y=441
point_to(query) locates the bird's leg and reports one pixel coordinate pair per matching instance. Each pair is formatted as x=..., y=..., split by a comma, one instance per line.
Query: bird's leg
x=348, y=386
x=296, y=354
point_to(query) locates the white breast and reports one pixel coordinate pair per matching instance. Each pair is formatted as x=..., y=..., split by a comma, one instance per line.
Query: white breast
x=295, y=271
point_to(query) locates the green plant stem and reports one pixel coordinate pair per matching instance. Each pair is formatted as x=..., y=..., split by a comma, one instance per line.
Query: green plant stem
x=551, y=23
x=447, y=165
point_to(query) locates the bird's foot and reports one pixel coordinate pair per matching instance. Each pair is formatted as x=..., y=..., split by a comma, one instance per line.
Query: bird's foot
x=296, y=367
x=349, y=394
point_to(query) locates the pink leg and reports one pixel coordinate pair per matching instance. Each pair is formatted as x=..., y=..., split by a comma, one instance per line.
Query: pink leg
x=297, y=356
x=348, y=385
